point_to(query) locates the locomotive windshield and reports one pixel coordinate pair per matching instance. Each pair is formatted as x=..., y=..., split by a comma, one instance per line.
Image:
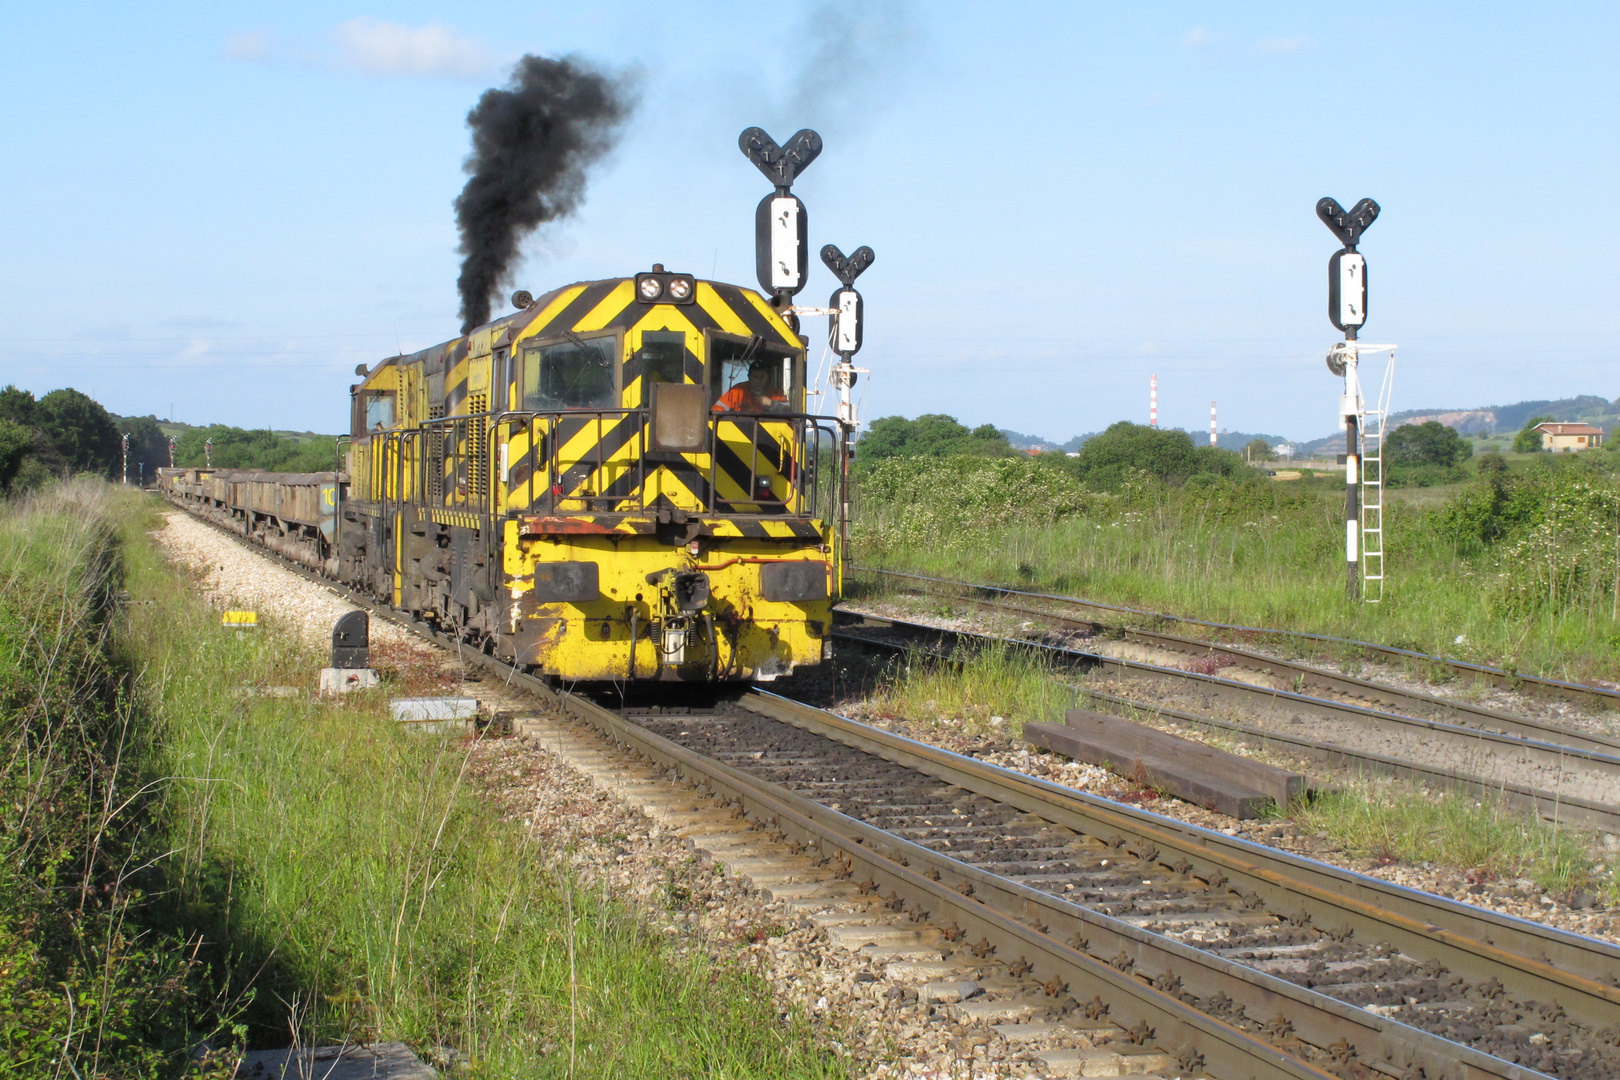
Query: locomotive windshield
x=662, y=359
x=574, y=374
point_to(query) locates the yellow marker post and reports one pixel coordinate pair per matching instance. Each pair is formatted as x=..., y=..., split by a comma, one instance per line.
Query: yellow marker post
x=240, y=620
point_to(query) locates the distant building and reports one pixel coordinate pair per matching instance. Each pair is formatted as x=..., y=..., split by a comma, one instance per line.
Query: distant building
x=1283, y=450
x=1569, y=437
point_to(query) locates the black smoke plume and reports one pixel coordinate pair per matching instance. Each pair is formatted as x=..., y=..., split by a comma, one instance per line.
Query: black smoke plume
x=533, y=145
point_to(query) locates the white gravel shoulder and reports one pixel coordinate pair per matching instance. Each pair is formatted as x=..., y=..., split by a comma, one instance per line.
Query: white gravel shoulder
x=234, y=577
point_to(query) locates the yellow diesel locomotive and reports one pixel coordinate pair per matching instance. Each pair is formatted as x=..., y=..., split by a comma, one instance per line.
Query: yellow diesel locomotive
x=617, y=481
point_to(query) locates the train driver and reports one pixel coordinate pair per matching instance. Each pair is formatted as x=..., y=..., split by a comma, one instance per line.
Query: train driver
x=756, y=395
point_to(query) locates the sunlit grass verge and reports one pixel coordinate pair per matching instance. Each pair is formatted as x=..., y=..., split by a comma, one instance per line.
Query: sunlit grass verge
x=1257, y=554
x=1373, y=817
x=349, y=879
x=1388, y=822
x=94, y=982
x=993, y=690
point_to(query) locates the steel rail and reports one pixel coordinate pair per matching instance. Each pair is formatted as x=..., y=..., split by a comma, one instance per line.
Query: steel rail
x=1198, y=1041
x=943, y=888
x=1574, y=809
x=1302, y=675
x=1140, y=991
x=1536, y=961
x=1521, y=797
x=1509, y=680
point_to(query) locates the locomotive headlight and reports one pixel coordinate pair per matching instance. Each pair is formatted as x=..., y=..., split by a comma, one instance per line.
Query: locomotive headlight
x=680, y=288
x=649, y=287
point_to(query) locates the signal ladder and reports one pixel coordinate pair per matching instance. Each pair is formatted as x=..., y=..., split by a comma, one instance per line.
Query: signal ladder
x=1372, y=478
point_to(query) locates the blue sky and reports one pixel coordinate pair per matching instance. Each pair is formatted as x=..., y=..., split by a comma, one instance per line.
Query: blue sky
x=223, y=208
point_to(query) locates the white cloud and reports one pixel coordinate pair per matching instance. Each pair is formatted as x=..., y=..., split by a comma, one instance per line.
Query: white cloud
x=1199, y=36
x=1281, y=46
x=377, y=47
x=372, y=47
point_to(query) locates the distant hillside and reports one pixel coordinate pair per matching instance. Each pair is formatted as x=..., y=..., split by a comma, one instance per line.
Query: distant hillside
x=177, y=428
x=1226, y=440
x=1496, y=419
x=1019, y=441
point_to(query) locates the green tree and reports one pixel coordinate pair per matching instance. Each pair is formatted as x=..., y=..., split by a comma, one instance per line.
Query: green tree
x=148, y=446
x=238, y=448
x=81, y=431
x=1258, y=450
x=930, y=435
x=16, y=442
x=1429, y=443
x=18, y=406
x=1528, y=440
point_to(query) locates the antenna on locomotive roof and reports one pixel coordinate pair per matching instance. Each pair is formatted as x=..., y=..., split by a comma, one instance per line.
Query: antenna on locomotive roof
x=781, y=224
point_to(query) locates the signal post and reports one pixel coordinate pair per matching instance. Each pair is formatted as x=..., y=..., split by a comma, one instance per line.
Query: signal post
x=1347, y=310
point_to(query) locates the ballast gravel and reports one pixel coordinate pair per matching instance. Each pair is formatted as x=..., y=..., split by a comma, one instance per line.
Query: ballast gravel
x=232, y=576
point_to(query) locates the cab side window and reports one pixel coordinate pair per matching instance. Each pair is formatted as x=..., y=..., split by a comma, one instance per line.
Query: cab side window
x=379, y=410
x=573, y=374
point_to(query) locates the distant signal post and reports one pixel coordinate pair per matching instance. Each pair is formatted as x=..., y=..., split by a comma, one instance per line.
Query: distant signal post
x=1347, y=310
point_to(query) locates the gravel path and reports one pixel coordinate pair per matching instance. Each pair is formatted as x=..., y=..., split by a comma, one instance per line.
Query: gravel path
x=234, y=577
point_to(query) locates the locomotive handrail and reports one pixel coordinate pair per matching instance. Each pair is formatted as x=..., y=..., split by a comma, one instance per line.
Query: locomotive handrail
x=802, y=466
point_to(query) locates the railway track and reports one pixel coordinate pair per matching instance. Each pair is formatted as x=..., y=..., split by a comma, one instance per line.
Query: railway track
x=1018, y=601
x=1194, y=953
x=1579, y=784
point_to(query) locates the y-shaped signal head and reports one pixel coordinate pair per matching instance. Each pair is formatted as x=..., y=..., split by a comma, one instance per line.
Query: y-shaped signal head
x=1347, y=225
x=847, y=268
x=780, y=164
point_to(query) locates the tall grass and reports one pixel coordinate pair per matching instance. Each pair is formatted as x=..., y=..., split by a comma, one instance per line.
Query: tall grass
x=355, y=886
x=1257, y=553
x=94, y=980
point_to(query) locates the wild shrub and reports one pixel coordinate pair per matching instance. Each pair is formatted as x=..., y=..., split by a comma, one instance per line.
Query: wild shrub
x=954, y=501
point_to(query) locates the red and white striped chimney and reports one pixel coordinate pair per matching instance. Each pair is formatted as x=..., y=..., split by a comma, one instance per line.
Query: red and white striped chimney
x=1153, y=401
x=1213, y=441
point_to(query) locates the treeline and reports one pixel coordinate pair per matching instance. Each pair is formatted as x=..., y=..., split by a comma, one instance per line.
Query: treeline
x=236, y=448
x=66, y=433
x=1125, y=451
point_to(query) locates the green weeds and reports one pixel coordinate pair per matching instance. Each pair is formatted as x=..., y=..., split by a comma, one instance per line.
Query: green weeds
x=1521, y=571
x=357, y=886
x=994, y=691
x=1481, y=836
